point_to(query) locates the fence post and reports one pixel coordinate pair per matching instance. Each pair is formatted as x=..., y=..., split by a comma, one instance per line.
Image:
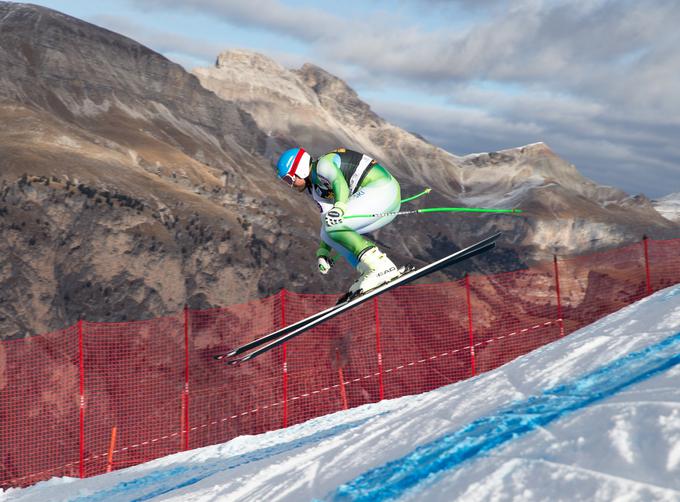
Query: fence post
x=82, y=399
x=378, y=349
x=285, y=361
x=559, y=296
x=648, y=274
x=470, y=325
x=185, y=416
x=112, y=447
x=341, y=379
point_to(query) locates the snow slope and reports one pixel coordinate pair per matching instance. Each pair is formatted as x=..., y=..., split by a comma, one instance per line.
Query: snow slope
x=669, y=207
x=595, y=416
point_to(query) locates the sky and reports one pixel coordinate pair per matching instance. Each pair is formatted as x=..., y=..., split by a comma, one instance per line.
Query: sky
x=597, y=80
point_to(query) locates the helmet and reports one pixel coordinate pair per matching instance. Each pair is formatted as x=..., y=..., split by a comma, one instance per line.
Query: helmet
x=293, y=162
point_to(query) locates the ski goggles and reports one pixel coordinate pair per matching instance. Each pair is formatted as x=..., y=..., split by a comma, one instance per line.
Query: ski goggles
x=289, y=179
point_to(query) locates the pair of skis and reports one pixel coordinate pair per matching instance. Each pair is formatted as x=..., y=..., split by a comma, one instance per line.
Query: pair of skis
x=268, y=342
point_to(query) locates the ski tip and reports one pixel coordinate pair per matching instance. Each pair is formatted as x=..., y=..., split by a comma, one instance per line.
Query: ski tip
x=234, y=362
x=219, y=357
x=226, y=355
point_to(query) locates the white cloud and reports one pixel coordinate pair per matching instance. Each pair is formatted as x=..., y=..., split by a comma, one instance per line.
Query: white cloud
x=580, y=75
x=189, y=50
x=307, y=24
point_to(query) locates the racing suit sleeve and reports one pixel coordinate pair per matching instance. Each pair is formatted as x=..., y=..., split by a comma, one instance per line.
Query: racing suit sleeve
x=324, y=250
x=328, y=168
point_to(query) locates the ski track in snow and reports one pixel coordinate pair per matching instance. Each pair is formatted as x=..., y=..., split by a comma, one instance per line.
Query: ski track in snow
x=182, y=476
x=427, y=462
x=594, y=416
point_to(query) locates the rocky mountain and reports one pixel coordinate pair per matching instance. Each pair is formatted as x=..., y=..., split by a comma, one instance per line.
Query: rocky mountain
x=129, y=188
x=566, y=213
x=126, y=188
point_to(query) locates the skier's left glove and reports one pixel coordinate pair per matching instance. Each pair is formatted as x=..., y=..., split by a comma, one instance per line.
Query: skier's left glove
x=325, y=263
x=334, y=216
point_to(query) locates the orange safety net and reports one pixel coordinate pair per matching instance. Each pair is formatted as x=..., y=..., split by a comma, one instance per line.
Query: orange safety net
x=100, y=396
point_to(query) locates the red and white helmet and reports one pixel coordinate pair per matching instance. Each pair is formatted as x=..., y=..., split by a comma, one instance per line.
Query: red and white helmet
x=293, y=162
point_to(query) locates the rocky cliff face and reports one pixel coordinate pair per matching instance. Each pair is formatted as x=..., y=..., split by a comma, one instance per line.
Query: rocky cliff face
x=313, y=108
x=91, y=84
x=128, y=189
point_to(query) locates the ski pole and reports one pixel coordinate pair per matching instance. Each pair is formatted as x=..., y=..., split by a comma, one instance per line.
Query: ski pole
x=424, y=192
x=437, y=210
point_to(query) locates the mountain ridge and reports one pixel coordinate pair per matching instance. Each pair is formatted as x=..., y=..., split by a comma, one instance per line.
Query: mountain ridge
x=532, y=175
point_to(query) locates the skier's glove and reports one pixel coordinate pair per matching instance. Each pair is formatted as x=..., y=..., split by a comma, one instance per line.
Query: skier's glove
x=325, y=264
x=334, y=216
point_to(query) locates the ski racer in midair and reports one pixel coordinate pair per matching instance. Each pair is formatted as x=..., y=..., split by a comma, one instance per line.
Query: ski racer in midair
x=344, y=182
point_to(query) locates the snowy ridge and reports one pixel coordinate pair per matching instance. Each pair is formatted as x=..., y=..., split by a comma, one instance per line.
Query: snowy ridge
x=599, y=413
x=537, y=144
x=669, y=207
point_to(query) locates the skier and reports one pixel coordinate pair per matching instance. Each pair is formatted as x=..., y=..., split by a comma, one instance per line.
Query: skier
x=344, y=182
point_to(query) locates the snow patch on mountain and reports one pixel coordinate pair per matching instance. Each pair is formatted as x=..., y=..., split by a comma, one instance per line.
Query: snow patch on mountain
x=669, y=207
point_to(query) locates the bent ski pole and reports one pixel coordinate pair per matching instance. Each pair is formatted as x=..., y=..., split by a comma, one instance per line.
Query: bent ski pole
x=437, y=210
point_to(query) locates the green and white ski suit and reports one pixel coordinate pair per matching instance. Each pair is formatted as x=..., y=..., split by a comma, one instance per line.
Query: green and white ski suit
x=357, y=184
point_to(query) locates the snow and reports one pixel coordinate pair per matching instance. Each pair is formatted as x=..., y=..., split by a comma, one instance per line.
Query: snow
x=508, y=150
x=669, y=207
x=594, y=416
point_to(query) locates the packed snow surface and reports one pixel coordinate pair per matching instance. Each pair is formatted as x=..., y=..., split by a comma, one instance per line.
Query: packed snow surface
x=594, y=416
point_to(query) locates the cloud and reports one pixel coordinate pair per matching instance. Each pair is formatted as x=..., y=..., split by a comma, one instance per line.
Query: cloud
x=634, y=165
x=598, y=74
x=460, y=130
x=306, y=24
x=572, y=44
x=466, y=4
x=186, y=50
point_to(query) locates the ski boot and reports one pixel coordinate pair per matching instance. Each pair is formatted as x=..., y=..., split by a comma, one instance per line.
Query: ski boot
x=376, y=269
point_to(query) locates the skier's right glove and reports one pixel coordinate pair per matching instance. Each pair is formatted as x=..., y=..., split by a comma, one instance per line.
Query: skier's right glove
x=325, y=263
x=334, y=216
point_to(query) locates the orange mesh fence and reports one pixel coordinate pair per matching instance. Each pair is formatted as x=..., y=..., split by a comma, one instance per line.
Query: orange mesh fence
x=39, y=408
x=100, y=396
x=228, y=401
x=342, y=346
x=513, y=313
x=594, y=286
x=133, y=380
x=664, y=266
x=423, y=338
